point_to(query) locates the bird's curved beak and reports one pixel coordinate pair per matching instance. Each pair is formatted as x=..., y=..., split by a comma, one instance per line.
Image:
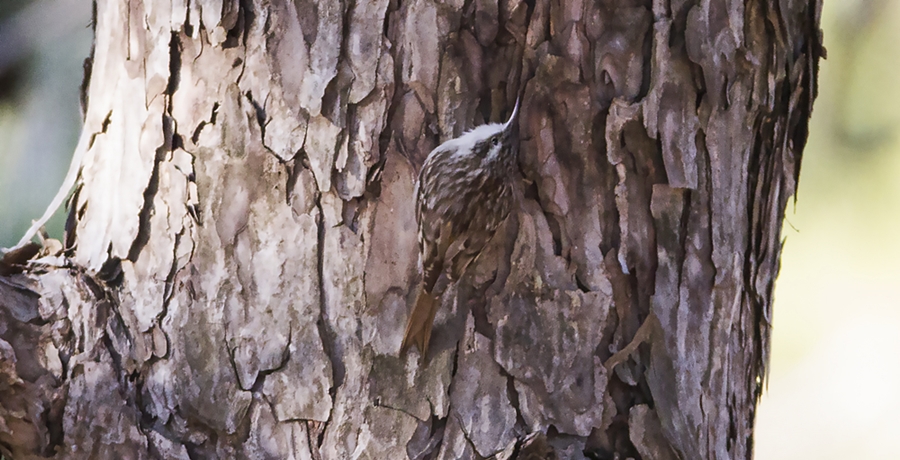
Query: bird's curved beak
x=511, y=125
x=512, y=118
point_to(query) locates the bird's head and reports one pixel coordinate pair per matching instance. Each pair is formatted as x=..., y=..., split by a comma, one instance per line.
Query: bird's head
x=493, y=141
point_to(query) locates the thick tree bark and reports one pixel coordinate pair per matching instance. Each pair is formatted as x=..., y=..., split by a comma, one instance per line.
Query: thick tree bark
x=241, y=244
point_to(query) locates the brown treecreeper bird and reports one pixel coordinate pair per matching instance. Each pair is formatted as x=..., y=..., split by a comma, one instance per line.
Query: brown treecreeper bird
x=464, y=192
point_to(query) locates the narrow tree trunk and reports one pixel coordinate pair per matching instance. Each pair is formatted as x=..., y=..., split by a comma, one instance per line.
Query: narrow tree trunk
x=241, y=250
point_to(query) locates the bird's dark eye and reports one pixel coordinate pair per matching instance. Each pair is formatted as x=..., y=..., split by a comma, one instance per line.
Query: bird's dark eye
x=495, y=141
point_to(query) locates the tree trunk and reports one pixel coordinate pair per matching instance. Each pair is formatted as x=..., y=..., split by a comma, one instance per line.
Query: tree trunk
x=241, y=248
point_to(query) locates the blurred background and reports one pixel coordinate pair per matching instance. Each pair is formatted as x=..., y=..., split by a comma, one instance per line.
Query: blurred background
x=43, y=45
x=834, y=386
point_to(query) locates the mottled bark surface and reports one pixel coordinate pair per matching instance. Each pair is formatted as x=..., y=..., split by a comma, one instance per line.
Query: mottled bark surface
x=241, y=248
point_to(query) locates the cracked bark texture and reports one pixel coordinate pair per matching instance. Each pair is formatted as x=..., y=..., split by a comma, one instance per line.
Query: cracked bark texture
x=240, y=251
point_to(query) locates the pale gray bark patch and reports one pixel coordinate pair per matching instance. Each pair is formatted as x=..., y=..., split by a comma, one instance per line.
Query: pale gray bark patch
x=670, y=114
x=131, y=126
x=270, y=438
x=398, y=385
x=364, y=132
x=391, y=262
x=323, y=141
x=458, y=79
x=478, y=383
x=455, y=444
x=646, y=434
x=285, y=120
x=418, y=46
x=95, y=396
x=364, y=46
x=307, y=44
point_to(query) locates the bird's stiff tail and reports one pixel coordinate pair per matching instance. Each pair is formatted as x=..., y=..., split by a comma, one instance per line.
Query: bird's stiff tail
x=421, y=318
